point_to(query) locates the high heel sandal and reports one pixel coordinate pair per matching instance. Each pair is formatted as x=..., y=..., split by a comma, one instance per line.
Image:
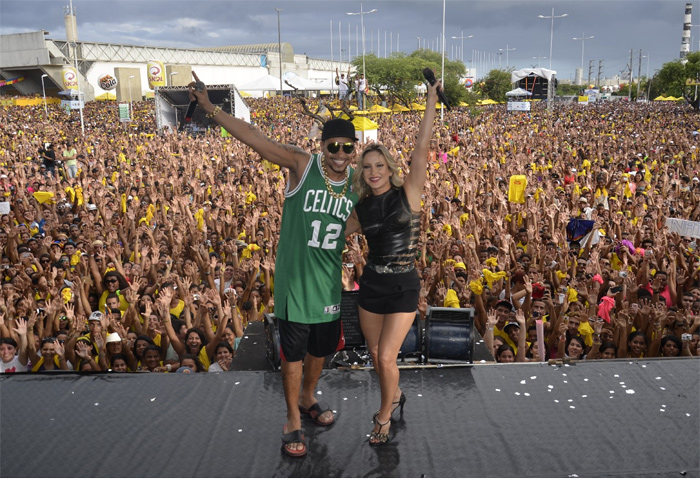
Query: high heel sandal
x=399, y=404
x=377, y=438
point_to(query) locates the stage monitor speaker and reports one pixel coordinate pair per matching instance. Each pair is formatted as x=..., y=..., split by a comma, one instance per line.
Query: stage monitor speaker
x=350, y=318
x=250, y=354
x=449, y=335
x=272, y=341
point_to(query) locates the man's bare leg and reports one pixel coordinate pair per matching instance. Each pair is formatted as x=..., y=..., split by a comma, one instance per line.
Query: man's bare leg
x=291, y=379
x=313, y=366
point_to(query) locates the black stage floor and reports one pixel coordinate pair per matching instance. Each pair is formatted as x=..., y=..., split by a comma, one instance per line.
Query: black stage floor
x=596, y=419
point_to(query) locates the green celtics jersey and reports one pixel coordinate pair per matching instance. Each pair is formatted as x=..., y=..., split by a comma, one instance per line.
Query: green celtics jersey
x=308, y=279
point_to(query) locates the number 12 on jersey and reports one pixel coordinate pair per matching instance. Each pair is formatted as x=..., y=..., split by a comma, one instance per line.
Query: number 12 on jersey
x=332, y=232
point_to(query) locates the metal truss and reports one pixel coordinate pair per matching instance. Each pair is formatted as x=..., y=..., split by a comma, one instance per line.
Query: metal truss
x=91, y=52
x=327, y=65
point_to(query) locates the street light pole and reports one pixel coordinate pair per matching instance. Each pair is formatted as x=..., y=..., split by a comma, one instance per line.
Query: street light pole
x=44, y=92
x=539, y=60
x=506, y=51
x=131, y=103
x=583, y=40
x=279, y=46
x=462, y=37
x=81, y=99
x=362, y=13
x=551, y=32
x=171, y=77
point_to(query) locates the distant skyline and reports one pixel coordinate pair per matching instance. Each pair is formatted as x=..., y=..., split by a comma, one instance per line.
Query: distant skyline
x=503, y=30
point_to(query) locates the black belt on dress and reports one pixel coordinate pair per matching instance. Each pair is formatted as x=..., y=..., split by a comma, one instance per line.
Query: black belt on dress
x=391, y=268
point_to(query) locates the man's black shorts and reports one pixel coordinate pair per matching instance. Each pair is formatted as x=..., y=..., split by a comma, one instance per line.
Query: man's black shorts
x=298, y=339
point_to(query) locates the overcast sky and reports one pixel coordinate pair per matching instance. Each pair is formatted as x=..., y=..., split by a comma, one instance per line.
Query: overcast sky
x=513, y=27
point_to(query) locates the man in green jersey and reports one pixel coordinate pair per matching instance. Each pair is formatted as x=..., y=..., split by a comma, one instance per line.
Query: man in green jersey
x=308, y=284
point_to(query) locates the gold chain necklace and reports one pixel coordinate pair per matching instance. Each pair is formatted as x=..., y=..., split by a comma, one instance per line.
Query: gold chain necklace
x=326, y=180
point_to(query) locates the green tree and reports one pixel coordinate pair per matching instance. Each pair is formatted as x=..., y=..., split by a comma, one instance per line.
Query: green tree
x=454, y=70
x=395, y=78
x=496, y=85
x=568, y=90
x=672, y=78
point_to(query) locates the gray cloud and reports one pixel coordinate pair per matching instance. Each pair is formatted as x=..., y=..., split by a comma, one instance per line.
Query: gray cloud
x=617, y=26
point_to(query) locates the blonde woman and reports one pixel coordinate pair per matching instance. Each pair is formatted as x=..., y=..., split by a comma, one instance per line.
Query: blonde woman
x=389, y=216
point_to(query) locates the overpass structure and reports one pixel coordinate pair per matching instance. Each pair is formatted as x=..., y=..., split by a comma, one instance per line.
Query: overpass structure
x=26, y=57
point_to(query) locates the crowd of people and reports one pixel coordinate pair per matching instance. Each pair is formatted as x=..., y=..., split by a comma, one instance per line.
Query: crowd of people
x=148, y=252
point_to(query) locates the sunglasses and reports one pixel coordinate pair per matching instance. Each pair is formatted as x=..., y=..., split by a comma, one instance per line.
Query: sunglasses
x=111, y=281
x=334, y=147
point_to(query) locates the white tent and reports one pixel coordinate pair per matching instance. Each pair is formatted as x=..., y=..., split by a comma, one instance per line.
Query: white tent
x=293, y=79
x=265, y=83
x=524, y=73
x=519, y=92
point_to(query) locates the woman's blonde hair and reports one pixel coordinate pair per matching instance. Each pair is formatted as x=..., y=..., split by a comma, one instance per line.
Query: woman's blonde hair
x=359, y=185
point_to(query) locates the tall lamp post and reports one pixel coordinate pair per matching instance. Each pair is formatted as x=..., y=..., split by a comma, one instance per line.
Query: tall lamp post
x=583, y=40
x=81, y=98
x=362, y=14
x=279, y=46
x=551, y=32
x=506, y=51
x=131, y=104
x=462, y=37
x=171, y=77
x=46, y=110
x=539, y=60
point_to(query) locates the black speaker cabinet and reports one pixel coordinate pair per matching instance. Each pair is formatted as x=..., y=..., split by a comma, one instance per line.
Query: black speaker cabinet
x=350, y=318
x=449, y=335
x=272, y=341
x=413, y=347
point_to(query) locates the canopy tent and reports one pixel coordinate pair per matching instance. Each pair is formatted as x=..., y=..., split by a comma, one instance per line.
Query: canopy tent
x=293, y=79
x=488, y=101
x=378, y=109
x=519, y=92
x=399, y=108
x=462, y=104
x=365, y=128
x=417, y=106
x=265, y=83
x=107, y=96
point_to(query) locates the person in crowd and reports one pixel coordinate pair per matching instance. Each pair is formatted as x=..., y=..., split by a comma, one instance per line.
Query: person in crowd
x=14, y=357
x=360, y=87
x=223, y=357
x=343, y=84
